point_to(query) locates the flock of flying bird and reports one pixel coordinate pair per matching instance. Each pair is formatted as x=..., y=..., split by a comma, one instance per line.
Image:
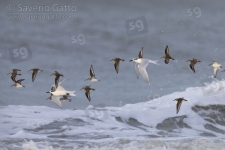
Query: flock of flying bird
x=59, y=94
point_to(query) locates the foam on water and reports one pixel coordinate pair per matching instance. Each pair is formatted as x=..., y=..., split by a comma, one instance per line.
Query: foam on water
x=127, y=144
x=199, y=117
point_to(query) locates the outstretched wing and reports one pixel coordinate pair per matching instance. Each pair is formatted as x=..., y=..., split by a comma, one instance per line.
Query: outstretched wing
x=56, y=81
x=56, y=100
x=13, y=77
x=192, y=67
x=92, y=73
x=19, y=81
x=140, y=55
x=137, y=70
x=34, y=75
x=215, y=72
x=143, y=72
x=167, y=51
x=87, y=93
x=116, y=65
x=178, y=105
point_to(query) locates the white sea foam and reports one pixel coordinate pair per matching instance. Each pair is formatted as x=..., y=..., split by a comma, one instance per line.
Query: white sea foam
x=141, y=124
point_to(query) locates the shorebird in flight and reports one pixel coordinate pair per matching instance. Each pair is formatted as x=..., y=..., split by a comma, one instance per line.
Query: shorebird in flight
x=167, y=57
x=192, y=63
x=57, y=75
x=87, y=90
x=179, y=102
x=18, y=84
x=92, y=74
x=34, y=73
x=14, y=74
x=116, y=64
x=215, y=66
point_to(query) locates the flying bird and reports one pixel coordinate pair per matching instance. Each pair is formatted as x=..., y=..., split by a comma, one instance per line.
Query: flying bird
x=192, y=63
x=215, y=66
x=92, y=74
x=87, y=90
x=167, y=57
x=34, y=73
x=179, y=102
x=116, y=64
x=140, y=67
x=14, y=74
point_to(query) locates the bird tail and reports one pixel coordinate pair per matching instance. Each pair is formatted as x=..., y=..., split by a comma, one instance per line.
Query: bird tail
x=70, y=93
x=153, y=62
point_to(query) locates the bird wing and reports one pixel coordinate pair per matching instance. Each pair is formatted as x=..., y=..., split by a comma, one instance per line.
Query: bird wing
x=192, y=67
x=56, y=100
x=87, y=93
x=92, y=73
x=215, y=72
x=143, y=72
x=56, y=81
x=137, y=70
x=15, y=70
x=116, y=65
x=60, y=88
x=167, y=51
x=178, y=105
x=34, y=75
x=13, y=77
x=140, y=55
x=19, y=81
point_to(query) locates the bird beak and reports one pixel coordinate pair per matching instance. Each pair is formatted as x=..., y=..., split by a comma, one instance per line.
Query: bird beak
x=131, y=60
x=47, y=92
